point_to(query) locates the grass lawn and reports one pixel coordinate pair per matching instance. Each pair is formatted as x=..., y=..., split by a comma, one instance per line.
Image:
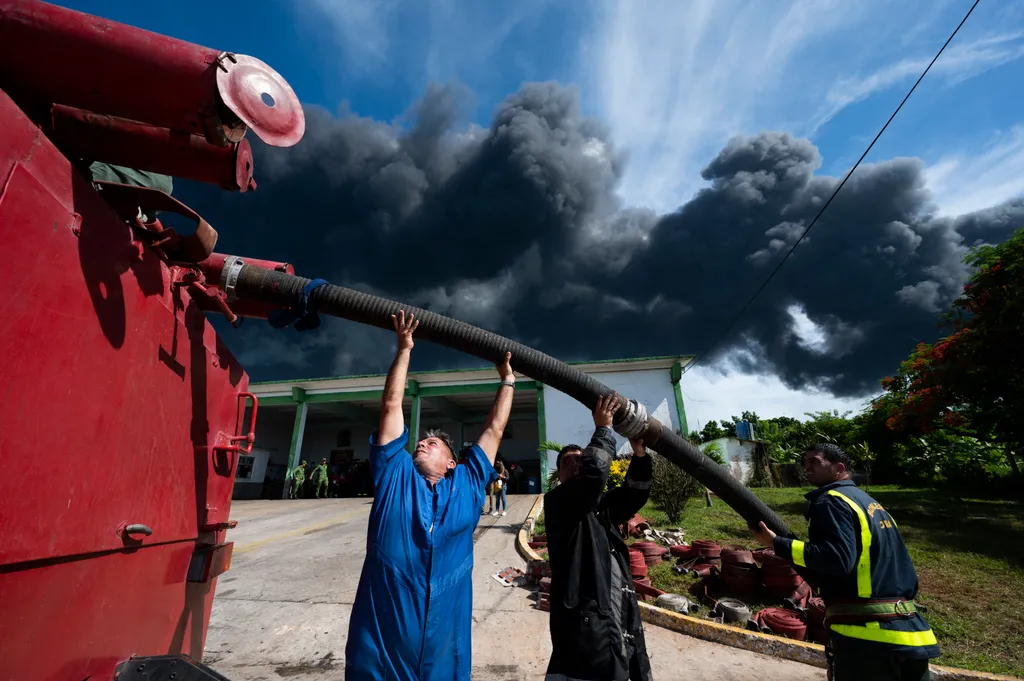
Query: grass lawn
x=969, y=556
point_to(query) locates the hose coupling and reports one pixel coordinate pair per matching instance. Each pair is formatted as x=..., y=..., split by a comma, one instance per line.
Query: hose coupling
x=634, y=423
x=229, y=276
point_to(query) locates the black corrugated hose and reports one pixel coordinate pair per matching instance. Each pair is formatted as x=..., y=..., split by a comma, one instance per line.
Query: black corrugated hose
x=280, y=289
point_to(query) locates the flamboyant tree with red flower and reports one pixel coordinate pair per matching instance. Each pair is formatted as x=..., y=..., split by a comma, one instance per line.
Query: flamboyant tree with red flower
x=972, y=381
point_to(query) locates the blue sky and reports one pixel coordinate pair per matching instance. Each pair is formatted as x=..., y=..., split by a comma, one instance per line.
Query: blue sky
x=673, y=80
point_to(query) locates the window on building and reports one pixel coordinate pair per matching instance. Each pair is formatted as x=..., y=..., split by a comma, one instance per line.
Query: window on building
x=245, y=465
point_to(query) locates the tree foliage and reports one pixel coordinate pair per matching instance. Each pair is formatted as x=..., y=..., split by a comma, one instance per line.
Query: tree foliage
x=673, y=487
x=971, y=382
x=712, y=431
x=544, y=448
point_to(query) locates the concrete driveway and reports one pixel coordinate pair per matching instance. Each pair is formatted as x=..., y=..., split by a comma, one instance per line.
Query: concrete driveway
x=282, y=610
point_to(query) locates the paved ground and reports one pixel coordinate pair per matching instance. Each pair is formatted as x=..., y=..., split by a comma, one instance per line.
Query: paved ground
x=282, y=610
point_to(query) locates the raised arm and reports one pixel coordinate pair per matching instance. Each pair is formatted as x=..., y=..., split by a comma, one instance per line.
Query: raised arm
x=582, y=492
x=490, y=439
x=392, y=422
x=627, y=499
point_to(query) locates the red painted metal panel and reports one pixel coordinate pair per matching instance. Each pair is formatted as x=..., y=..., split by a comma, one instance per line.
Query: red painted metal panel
x=22, y=142
x=115, y=393
x=77, y=620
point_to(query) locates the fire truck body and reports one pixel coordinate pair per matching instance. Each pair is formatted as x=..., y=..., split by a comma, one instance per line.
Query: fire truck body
x=122, y=414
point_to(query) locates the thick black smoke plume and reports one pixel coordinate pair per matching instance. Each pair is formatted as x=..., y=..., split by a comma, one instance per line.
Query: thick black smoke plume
x=517, y=228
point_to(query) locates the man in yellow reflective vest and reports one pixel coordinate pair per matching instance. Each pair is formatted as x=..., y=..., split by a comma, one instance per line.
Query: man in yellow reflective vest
x=855, y=558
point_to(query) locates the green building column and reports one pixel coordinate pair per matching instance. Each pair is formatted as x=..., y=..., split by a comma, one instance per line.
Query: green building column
x=542, y=436
x=295, y=450
x=676, y=375
x=413, y=390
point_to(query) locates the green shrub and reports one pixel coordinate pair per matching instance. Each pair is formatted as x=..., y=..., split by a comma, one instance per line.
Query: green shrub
x=672, y=487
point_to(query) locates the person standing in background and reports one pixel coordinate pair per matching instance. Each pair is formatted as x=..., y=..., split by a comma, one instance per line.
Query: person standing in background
x=500, y=488
x=298, y=477
x=320, y=479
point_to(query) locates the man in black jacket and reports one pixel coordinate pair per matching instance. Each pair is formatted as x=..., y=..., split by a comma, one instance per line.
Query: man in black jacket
x=596, y=633
x=855, y=556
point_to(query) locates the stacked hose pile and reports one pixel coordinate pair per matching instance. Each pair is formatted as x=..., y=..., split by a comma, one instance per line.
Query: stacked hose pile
x=702, y=557
x=681, y=551
x=782, y=622
x=816, y=620
x=709, y=551
x=739, y=571
x=778, y=575
x=637, y=564
x=306, y=298
x=651, y=552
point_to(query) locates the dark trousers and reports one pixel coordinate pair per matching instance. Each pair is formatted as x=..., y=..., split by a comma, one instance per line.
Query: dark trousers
x=850, y=663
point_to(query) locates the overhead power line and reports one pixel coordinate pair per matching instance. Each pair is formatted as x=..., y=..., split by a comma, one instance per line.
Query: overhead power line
x=782, y=262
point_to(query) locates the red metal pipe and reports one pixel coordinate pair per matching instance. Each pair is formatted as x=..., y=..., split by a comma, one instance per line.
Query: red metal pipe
x=61, y=56
x=98, y=137
x=213, y=268
x=214, y=265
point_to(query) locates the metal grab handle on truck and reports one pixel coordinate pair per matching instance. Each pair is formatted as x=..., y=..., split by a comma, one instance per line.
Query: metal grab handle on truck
x=250, y=437
x=138, y=529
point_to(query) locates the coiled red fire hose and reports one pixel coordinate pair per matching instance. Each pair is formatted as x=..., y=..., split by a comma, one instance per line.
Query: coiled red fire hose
x=706, y=548
x=637, y=564
x=737, y=555
x=782, y=622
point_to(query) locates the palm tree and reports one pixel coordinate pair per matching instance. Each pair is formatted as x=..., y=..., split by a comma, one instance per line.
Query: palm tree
x=550, y=446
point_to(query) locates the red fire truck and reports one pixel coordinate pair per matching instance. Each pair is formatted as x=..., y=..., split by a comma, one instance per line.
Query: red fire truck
x=122, y=414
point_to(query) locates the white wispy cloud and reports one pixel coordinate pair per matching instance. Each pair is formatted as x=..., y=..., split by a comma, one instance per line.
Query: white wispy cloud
x=958, y=63
x=970, y=181
x=364, y=28
x=465, y=39
x=676, y=80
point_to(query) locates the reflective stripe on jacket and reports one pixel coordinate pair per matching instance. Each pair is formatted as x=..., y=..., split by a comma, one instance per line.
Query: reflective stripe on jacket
x=855, y=551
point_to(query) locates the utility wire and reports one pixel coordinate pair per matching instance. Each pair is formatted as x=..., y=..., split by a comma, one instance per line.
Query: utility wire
x=782, y=262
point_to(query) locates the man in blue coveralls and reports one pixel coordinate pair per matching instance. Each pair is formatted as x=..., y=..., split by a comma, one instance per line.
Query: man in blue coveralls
x=413, y=613
x=855, y=556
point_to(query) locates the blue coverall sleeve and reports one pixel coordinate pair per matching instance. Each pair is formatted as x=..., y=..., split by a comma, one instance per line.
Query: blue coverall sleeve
x=479, y=471
x=831, y=546
x=383, y=454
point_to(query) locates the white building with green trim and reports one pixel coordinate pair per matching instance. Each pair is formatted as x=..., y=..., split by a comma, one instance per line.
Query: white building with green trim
x=316, y=418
